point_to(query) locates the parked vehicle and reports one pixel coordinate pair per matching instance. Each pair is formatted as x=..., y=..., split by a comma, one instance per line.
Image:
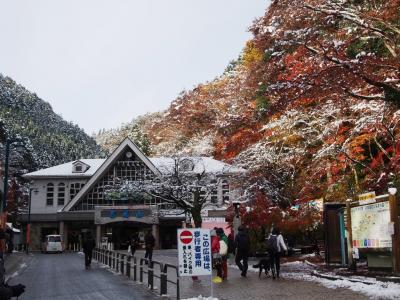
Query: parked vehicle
x=52, y=243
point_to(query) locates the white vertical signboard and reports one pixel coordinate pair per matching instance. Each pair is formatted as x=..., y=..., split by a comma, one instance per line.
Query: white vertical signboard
x=194, y=252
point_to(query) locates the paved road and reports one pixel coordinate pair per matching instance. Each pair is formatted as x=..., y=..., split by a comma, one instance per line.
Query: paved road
x=63, y=276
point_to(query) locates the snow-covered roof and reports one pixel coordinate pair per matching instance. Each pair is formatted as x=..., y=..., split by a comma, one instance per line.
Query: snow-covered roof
x=207, y=164
x=66, y=170
x=163, y=164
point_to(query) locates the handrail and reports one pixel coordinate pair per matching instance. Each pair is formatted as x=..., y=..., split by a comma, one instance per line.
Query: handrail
x=126, y=264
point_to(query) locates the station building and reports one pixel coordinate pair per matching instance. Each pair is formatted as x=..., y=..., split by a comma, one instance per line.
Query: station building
x=72, y=199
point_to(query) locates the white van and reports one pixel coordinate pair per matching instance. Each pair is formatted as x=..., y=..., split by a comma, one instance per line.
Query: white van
x=52, y=243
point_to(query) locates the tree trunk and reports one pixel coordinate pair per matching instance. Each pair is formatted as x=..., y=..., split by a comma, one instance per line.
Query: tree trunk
x=196, y=215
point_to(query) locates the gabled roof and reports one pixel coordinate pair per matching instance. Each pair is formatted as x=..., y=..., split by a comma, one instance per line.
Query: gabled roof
x=105, y=166
x=65, y=170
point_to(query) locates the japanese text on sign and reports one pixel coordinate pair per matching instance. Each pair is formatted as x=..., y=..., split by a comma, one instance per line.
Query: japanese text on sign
x=194, y=252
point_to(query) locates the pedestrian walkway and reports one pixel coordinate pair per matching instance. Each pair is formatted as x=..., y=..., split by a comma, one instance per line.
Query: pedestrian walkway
x=63, y=277
x=252, y=287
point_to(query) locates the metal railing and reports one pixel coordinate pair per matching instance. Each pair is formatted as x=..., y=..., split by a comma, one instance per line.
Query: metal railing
x=127, y=265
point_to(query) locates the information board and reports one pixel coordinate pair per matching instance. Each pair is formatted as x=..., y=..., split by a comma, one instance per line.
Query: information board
x=194, y=252
x=370, y=226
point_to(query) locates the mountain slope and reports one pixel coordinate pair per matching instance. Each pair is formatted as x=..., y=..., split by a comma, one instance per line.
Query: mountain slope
x=310, y=107
x=47, y=139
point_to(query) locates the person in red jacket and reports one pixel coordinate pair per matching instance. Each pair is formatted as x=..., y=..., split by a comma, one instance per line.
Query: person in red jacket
x=217, y=263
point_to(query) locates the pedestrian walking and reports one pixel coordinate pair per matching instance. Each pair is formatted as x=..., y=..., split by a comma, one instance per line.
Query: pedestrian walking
x=88, y=246
x=149, y=243
x=276, y=246
x=133, y=244
x=242, y=245
x=216, y=256
x=223, y=250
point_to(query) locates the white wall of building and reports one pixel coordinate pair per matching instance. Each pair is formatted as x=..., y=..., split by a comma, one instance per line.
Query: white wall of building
x=39, y=199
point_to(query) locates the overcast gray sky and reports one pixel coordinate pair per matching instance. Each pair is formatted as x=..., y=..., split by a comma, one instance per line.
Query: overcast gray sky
x=101, y=63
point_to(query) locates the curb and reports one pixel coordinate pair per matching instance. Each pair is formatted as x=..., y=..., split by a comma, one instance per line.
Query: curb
x=333, y=278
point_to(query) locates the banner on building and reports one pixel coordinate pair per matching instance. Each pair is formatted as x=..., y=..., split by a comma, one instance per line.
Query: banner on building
x=370, y=226
x=194, y=252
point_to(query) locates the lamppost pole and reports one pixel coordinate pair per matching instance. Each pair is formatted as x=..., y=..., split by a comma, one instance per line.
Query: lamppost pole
x=28, y=225
x=4, y=203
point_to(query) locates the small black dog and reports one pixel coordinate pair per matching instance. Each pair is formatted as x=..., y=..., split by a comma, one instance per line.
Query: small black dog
x=263, y=264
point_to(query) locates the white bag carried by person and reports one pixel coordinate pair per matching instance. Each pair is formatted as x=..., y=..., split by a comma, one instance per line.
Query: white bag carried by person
x=129, y=249
x=223, y=248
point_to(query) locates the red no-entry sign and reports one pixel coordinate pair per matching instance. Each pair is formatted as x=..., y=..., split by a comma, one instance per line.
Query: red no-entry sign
x=186, y=237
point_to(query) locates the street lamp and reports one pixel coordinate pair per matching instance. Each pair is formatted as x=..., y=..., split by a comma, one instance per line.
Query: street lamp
x=28, y=225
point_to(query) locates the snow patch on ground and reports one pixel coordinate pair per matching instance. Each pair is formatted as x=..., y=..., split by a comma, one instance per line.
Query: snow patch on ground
x=202, y=298
x=299, y=270
x=376, y=290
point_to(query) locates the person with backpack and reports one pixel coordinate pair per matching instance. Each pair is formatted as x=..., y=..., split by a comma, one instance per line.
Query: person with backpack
x=223, y=250
x=242, y=245
x=275, y=246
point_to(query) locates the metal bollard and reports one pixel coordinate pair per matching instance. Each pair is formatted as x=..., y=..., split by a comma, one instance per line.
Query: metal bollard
x=113, y=259
x=134, y=268
x=110, y=258
x=163, y=283
x=117, y=261
x=150, y=275
x=141, y=271
x=122, y=264
x=128, y=265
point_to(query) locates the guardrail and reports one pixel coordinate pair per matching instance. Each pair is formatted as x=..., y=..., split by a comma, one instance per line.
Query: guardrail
x=127, y=265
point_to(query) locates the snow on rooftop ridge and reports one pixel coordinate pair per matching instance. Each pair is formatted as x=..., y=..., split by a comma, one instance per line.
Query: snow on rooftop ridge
x=201, y=163
x=66, y=170
x=164, y=164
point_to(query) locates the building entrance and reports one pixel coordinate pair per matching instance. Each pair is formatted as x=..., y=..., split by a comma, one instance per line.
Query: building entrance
x=120, y=233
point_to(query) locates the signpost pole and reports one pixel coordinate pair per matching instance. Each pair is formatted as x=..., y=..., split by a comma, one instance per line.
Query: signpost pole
x=212, y=287
x=394, y=217
x=352, y=264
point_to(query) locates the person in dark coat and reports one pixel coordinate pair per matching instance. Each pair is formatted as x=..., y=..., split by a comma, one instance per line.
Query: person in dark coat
x=149, y=243
x=7, y=291
x=276, y=246
x=134, y=244
x=88, y=246
x=242, y=245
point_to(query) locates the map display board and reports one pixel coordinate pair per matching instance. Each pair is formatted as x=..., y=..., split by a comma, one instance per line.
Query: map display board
x=370, y=225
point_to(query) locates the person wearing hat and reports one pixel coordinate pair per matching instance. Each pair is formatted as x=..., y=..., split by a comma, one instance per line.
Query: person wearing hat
x=7, y=291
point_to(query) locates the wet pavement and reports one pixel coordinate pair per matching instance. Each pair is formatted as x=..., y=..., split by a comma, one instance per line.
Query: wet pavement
x=253, y=287
x=63, y=276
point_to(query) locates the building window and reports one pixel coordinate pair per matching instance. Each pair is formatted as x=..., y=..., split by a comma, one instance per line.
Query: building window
x=78, y=168
x=214, y=196
x=74, y=189
x=50, y=194
x=225, y=191
x=61, y=194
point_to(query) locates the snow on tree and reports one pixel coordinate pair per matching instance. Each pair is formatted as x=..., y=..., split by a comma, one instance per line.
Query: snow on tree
x=186, y=182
